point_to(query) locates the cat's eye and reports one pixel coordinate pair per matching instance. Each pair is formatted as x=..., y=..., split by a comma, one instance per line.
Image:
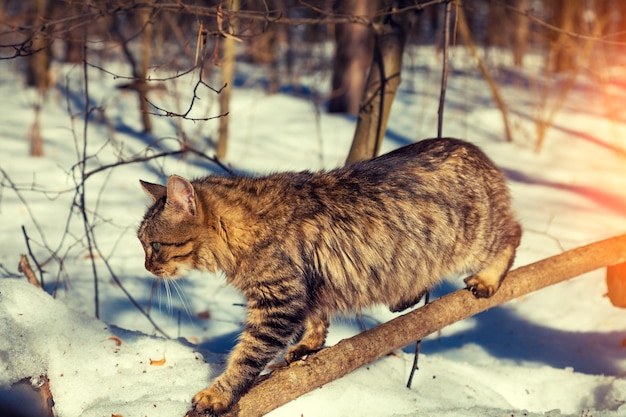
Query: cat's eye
x=156, y=247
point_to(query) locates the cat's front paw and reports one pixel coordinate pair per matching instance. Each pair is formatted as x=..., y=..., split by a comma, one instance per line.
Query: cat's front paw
x=299, y=352
x=212, y=401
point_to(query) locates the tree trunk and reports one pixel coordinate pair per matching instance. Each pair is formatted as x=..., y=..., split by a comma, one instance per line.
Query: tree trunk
x=38, y=69
x=228, y=78
x=520, y=34
x=75, y=38
x=38, y=64
x=286, y=384
x=146, y=53
x=353, y=55
x=567, y=15
x=382, y=83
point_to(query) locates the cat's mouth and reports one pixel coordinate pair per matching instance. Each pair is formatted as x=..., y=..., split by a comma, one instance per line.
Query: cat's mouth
x=177, y=272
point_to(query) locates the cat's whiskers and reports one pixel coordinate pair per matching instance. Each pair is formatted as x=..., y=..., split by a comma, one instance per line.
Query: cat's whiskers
x=168, y=295
x=166, y=284
x=183, y=298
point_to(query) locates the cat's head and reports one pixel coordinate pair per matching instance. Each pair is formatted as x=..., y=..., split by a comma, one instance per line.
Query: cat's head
x=171, y=231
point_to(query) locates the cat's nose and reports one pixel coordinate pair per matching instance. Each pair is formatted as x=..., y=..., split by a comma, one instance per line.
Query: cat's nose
x=150, y=268
x=158, y=272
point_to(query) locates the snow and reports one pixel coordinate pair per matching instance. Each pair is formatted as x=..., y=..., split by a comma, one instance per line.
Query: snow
x=102, y=363
x=559, y=351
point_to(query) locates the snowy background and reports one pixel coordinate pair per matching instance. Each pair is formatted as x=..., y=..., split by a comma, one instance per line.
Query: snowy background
x=560, y=351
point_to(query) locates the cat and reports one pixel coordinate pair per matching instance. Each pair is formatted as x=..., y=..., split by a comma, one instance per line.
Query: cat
x=302, y=246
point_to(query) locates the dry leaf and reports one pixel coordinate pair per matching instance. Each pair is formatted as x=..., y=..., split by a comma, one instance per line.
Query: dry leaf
x=204, y=315
x=158, y=362
x=117, y=340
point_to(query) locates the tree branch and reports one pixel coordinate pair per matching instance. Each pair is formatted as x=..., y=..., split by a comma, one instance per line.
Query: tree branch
x=287, y=384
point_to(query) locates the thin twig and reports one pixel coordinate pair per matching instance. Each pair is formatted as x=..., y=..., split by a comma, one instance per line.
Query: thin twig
x=133, y=78
x=118, y=282
x=24, y=202
x=81, y=190
x=418, y=346
x=185, y=115
x=444, y=70
x=529, y=15
x=139, y=159
x=467, y=38
x=93, y=11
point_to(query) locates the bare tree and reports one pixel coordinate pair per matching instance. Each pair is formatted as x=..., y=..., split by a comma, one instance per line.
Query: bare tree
x=390, y=34
x=520, y=33
x=567, y=15
x=38, y=63
x=38, y=67
x=228, y=78
x=353, y=55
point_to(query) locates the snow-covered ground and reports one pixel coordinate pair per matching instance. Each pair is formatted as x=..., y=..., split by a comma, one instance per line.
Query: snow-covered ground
x=560, y=351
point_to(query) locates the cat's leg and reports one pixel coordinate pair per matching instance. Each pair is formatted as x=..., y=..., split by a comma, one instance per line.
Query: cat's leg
x=486, y=282
x=315, y=331
x=268, y=331
x=408, y=302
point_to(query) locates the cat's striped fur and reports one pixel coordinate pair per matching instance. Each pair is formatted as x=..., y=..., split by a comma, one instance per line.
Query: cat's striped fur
x=303, y=246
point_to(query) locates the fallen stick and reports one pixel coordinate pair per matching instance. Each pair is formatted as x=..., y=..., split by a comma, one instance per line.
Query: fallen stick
x=287, y=384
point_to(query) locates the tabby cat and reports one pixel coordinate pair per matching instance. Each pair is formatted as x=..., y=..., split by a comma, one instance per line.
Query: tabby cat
x=302, y=246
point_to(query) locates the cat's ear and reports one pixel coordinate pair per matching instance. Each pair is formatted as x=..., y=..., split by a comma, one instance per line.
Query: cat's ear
x=156, y=191
x=181, y=195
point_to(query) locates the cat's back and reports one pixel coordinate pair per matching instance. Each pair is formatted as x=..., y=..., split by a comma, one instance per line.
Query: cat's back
x=432, y=166
x=433, y=155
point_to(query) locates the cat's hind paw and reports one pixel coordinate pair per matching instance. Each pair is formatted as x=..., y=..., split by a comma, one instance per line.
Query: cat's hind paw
x=194, y=413
x=211, y=402
x=479, y=287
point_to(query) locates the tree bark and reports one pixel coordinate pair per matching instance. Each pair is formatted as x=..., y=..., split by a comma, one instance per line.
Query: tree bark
x=287, y=384
x=520, y=34
x=38, y=64
x=146, y=53
x=567, y=15
x=353, y=55
x=38, y=68
x=228, y=78
x=382, y=84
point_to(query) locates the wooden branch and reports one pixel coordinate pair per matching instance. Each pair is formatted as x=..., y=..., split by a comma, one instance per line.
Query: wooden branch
x=287, y=384
x=616, y=284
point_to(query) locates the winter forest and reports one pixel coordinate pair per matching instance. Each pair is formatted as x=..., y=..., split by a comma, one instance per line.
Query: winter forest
x=97, y=95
